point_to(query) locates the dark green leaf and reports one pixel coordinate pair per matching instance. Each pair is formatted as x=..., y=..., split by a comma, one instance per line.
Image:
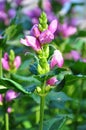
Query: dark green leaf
x=21, y=79
x=54, y=123
x=12, y=31
x=78, y=67
x=57, y=96
x=12, y=84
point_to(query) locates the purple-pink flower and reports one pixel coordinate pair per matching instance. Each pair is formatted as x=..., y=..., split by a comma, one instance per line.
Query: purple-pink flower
x=62, y=1
x=9, y=110
x=34, y=14
x=32, y=42
x=6, y=62
x=39, y=38
x=75, y=55
x=35, y=31
x=52, y=81
x=46, y=37
x=67, y=30
x=10, y=95
x=57, y=59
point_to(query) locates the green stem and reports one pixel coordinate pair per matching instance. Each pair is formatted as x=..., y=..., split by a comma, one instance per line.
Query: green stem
x=42, y=103
x=80, y=96
x=79, y=106
x=40, y=3
x=0, y=63
x=6, y=121
x=42, y=112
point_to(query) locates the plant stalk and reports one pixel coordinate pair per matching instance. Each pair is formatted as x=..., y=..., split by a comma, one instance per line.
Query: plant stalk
x=6, y=121
x=42, y=111
x=42, y=104
x=40, y=3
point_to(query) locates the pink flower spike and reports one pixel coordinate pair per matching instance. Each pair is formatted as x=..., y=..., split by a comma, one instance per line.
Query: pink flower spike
x=53, y=26
x=57, y=59
x=35, y=31
x=10, y=95
x=52, y=81
x=33, y=42
x=17, y=61
x=46, y=37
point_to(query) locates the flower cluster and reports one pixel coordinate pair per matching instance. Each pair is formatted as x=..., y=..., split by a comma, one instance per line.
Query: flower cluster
x=38, y=38
x=10, y=62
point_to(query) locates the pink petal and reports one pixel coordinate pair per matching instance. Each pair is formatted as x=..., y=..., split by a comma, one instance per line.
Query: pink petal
x=68, y=30
x=24, y=41
x=32, y=42
x=17, y=61
x=52, y=81
x=57, y=59
x=35, y=31
x=10, y=95
x=9, y=109
x=5, y=64
x=1, y=98
x=46, y=37
x=53, y=26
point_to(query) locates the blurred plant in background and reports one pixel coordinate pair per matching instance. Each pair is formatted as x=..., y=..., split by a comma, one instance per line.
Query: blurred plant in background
x=51, y=65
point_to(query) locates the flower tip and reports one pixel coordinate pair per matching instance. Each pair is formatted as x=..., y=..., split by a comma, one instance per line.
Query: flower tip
x=17, y=61
x=23, y=41
x=53, y=25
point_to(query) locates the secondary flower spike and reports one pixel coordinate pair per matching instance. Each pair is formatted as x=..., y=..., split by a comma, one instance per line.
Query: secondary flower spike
x=10, y=62
x=57, y=59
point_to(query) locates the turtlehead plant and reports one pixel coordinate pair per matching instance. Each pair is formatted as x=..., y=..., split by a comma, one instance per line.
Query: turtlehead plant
x=10, y=62
x=41, y=36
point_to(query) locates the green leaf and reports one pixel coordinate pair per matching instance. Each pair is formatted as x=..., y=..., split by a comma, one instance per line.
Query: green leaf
x=78, y=67
x=12, y=84
x=12, y=31
x=69, y=79
x=22, y=79
x=57, y=96
x=2, y=42
x=55, y=123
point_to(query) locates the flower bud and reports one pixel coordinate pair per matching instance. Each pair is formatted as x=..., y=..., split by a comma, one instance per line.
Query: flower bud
x=12, y=55
x=9, y=110
x=52, y=81
x=35, y=31
x=10, y=95
x=38, y=89
x=57, y=59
